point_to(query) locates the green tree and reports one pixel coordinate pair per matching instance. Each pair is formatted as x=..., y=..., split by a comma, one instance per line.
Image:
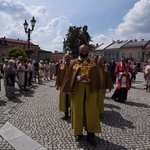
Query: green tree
x=15, y=52
x=72, y=40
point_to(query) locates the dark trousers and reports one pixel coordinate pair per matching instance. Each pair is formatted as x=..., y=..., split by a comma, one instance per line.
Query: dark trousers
x=67, y=104
x=120, y=95
x=133, y=76
x=26, y=80
x=30, y=77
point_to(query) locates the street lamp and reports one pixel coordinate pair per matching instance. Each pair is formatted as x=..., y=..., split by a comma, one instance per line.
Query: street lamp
x=29, y=31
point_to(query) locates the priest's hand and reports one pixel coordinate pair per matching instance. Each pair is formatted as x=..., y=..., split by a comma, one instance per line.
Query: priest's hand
x=84, y=77
x=88, y=81
x=57, y=87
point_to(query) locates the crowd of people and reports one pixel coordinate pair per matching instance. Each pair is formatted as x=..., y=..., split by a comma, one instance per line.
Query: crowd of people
x=23, y=72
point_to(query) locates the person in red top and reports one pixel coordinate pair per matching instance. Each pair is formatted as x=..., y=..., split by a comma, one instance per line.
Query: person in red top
x=146, y=65
x=123, y=76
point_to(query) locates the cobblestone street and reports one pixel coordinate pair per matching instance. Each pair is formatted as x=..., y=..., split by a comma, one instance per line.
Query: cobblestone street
x=125, y=126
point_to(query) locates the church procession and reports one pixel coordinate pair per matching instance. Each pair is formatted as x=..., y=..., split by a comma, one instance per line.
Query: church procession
x=79, y=95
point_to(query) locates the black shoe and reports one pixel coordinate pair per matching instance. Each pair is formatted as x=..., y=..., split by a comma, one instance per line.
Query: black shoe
x=79, y=137
x=25, y=89
x=91, y=139
x=64, y=118
x=92, y=142
x=66, y=115
x=115, y=100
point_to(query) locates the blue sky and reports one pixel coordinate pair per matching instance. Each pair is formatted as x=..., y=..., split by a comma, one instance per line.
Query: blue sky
x=106, y=20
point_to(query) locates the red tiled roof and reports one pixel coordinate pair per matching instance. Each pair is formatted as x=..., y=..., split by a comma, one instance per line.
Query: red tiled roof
x=17, y=41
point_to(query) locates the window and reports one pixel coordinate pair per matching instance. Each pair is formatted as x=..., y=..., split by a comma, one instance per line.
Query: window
x=117, y=55
x=113, y=55
x=3, y=51
x=130, y=55
x=139, y=55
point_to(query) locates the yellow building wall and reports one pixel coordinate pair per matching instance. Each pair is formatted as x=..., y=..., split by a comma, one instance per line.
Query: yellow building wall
x=135, y=51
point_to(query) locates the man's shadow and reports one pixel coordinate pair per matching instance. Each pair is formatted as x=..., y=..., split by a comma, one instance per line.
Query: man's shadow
x=111, y=106
x=136, y=104
x=137, y=88
x=3, y=103
x=114, y=118
x=101, y=145
x=15, y=100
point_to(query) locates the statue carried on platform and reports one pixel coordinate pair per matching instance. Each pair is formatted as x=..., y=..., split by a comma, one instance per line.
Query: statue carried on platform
x=84, y=36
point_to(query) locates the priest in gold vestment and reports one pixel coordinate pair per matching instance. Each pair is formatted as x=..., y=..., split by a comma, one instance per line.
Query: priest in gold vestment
x=64, y=99
x=82, y=82
x=105, y=83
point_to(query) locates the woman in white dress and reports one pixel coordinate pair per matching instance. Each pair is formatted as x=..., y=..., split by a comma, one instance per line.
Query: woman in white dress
x=46, y=71
x=21, y=74
x=41, y=69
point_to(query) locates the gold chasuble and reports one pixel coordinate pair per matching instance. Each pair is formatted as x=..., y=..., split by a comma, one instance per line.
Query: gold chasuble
x=59, y=82
x=105, y=83
x=84, y=111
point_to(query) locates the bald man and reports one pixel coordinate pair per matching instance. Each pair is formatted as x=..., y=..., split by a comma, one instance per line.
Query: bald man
x=82, y=82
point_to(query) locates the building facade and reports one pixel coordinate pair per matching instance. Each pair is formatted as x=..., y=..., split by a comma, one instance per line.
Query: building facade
x=134, y=50
x=57, y=56
x=146, y=52
x=7, y=43
x=99, y=50
x=112, y=52
x=44, y=55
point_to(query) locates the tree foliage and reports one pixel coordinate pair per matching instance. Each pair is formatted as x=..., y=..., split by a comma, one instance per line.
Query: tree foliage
x=72, y=40
x=15, y=52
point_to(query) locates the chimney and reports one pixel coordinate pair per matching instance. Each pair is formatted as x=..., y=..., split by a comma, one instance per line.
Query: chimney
x=142, y=39
x=118, y=41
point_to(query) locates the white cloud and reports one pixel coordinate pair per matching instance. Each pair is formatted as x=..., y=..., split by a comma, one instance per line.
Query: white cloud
x=135, y=25
x=48, y=36
x=15, y=9
x=53, y=34
x=13, y=14
x=136, y=22
x=39, y=11
x=99, y=39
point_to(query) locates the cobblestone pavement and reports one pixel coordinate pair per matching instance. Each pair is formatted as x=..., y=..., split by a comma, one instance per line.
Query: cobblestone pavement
x=125, y=126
